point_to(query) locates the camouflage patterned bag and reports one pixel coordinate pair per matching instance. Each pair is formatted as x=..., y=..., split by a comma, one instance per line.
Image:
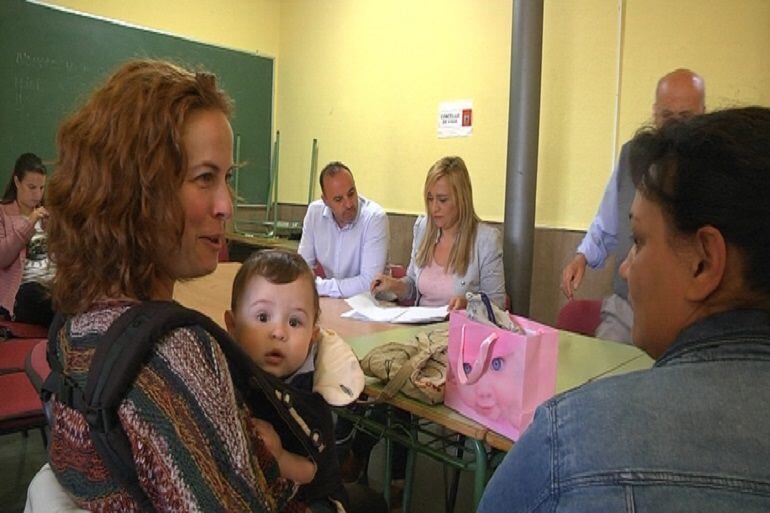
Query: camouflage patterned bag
x=418, y=369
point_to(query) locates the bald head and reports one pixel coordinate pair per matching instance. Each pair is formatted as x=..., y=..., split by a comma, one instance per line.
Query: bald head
x=680, y=94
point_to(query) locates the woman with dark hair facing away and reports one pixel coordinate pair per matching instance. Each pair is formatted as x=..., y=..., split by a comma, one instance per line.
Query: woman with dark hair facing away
x=25, y=272
x=692, y=433
x=138, y=202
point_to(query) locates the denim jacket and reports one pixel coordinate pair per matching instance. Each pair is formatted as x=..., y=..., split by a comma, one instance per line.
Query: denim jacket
x=692, y=434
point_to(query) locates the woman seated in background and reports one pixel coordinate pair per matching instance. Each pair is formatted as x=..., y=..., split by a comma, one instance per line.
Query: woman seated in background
x=692, y=433
x=452, y=251
x=139, y=201
x=25, y=273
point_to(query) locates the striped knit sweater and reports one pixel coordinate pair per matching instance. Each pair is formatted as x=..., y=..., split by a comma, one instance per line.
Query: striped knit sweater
x=191, y=442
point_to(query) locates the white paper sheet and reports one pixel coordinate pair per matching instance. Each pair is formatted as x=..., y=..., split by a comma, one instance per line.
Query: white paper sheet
x=365, y=307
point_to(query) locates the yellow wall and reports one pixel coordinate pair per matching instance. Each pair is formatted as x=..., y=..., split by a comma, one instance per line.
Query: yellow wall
x=727, y=41
x=576, y=109
x=365, y=77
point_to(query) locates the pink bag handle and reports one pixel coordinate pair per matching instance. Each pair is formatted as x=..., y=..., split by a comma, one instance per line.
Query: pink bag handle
x=478, y=365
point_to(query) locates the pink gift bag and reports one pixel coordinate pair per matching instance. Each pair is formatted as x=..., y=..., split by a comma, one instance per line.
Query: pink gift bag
x=497, y=377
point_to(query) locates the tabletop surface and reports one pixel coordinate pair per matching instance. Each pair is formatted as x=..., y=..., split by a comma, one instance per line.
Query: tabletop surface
x=260, y=241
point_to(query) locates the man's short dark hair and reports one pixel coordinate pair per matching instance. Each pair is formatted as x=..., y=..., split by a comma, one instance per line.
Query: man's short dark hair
x=331, y=169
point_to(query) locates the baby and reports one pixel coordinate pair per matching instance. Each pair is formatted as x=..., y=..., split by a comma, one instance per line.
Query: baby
x=274, y=318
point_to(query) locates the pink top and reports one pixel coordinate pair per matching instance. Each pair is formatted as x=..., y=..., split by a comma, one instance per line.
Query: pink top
x=15, y=232
x=436, y=286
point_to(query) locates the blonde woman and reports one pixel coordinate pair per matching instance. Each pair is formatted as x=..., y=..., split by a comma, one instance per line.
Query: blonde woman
x=452, y=251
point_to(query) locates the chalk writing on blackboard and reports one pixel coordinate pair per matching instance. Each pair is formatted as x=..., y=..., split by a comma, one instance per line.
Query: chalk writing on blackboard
x=28, y=59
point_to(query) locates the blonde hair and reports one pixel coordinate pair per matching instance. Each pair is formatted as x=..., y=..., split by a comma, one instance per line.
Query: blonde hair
x=455, y=172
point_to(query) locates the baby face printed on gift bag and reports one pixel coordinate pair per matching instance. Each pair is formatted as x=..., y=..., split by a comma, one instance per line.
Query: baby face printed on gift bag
x=499, y=377
x=490, y=394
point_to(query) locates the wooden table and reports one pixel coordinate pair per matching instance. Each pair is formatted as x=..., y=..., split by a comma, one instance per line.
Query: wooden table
x=261, y=242
x=210, y=294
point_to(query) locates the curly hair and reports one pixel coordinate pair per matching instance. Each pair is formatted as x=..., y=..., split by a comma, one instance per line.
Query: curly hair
x=115, y=209
x=456, y=173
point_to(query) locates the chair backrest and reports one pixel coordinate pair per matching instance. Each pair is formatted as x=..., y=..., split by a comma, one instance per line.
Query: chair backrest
x=14, y=352
x=13, y=329
x=36, y=365
x=581, y=316
x=46, y=494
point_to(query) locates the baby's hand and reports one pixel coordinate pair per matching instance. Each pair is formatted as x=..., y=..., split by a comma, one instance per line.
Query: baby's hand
x=269, y=437
x=292, y=466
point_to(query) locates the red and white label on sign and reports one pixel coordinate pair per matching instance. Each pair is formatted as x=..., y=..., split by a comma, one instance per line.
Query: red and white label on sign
x=455, y=118
x=467, y=117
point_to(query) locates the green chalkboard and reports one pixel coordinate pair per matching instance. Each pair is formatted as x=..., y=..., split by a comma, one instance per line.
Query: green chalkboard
x=50, y=60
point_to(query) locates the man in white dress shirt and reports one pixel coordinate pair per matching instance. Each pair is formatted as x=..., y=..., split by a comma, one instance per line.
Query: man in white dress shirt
x=345, y=234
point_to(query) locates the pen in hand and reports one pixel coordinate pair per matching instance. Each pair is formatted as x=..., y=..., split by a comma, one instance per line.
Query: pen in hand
x=379, y=283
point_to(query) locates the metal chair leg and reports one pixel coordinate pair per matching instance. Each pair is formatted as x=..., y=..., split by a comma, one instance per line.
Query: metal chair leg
x=451, y=498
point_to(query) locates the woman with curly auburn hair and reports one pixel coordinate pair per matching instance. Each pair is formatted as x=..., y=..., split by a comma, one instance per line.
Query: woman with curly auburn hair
x=139, y=201
x=121, y=181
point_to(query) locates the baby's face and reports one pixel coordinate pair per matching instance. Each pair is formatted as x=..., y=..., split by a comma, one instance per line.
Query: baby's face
x=491, y=395
x=275, y=325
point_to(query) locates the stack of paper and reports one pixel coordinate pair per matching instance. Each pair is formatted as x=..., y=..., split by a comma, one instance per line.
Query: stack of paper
x=366, y=308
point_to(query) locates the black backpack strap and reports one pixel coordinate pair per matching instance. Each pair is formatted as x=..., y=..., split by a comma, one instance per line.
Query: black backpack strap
x=53, y=382
x=119, y=356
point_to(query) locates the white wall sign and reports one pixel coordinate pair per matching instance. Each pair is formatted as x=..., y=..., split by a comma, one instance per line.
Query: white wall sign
x=455, y=119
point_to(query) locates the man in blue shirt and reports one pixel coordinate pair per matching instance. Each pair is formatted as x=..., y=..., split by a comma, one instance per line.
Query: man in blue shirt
x=345, y=234
x=679, y=94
